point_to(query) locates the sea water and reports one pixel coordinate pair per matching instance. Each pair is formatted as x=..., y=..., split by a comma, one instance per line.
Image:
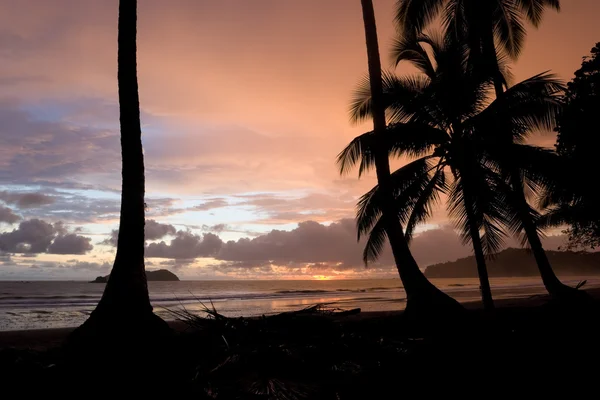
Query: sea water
x=52, y=304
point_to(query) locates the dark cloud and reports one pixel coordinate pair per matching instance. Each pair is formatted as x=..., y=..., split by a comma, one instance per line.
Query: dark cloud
x=153, y=231
x=334, y=247
x=211, y=204
x=8, y=216
x=27, y=199
x=70, y=244
x=32, y=236
x=36, y=236
x=311, y=242
x=218, y=228
x=186, y=246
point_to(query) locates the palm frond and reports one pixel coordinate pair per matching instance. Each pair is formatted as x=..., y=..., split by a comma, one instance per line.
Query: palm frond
x=360, y=150
x=529, y=106
x=534, y=9
x=406, y=182
x=368, y=211
x=424, y=205
x=509, y=28
x=375, y=242
x=410, y=48
x=414, y=15
x=399, y=96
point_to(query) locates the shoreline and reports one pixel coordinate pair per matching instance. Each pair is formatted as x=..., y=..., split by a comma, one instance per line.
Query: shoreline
x=48, y=338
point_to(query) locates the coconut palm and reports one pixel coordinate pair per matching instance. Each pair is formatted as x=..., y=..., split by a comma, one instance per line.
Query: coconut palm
x=422, y=296
x=125, y=296
x=491, y=29
x=444, y=117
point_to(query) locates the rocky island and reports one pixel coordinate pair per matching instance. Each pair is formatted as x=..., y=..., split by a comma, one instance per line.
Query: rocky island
x=162, y=275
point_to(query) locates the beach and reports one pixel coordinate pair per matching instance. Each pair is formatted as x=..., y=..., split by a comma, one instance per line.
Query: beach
x=42, y=305
x=517, y=297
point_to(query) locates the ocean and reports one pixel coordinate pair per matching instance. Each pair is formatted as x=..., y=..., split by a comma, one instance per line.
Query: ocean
x=51, y=304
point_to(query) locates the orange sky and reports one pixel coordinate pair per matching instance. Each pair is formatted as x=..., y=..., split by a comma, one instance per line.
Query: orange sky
x=239, y=97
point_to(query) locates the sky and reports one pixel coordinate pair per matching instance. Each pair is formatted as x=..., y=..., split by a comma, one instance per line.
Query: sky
x=244, y=107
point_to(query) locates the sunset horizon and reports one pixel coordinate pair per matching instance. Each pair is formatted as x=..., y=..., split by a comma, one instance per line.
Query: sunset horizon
x=240, y=131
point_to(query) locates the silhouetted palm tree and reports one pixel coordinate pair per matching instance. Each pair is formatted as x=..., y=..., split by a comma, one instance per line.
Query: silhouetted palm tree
x=422, y=296
x=443, y=117
x=491, y=29
x=126, y=293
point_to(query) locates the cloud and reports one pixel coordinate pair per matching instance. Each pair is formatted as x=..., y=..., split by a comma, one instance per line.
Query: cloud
x=289, y=209
x=32, y=236
x=311, y=242
x=54, y=151
x=70, y=244
x=186, y=246
x=153, y=231
x=8, y=216
x=334, y=248
x=35, y=236
x=218, y=228
x=27, y=199
x=211, y=204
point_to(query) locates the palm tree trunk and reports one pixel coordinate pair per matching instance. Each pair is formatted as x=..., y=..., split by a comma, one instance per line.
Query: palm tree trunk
x=484, y=282
x=553, y=285
x=491, y=58
x=421, y=294
x=551, y=282
x=127, y=289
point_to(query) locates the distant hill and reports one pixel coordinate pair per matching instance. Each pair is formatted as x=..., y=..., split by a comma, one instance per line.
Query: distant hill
x=519, y=263
x=158, y=275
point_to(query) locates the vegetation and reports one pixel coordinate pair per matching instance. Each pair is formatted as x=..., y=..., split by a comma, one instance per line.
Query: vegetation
x=574, y=200
x=445, y=117
x=422, y=296
x=518, y=263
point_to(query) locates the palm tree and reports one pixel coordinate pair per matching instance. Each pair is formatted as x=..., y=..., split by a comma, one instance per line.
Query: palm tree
x=492, y=29
x=442, y=116
x=422, y=296
x=126, y=294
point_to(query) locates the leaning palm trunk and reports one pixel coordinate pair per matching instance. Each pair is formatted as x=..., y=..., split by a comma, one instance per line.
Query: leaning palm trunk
x=421, y=295
x=553, y=285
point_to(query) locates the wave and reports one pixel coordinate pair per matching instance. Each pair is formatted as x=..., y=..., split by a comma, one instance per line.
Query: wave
x=170, y=299
x=307, y=291
x=56, y=297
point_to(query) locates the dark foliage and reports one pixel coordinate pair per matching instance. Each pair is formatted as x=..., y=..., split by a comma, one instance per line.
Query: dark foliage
x=575, y=199
x=316, y=354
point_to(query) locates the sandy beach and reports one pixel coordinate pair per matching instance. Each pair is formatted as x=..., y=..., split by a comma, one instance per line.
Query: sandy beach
x=43, y=339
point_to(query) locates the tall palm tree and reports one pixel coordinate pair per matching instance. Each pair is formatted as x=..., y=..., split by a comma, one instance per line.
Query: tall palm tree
x=443, y=117
x=422, y=296
x=492, y=29
x=126, y=293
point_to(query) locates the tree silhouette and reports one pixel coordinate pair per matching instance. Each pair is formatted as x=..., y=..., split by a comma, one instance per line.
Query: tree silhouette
x=422, y=297
x=492, y=30
x=442, y=116
x=574, y=200
x=125, y=301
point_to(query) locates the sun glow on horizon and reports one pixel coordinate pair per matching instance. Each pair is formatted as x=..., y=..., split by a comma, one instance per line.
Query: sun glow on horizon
x=321, y=277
